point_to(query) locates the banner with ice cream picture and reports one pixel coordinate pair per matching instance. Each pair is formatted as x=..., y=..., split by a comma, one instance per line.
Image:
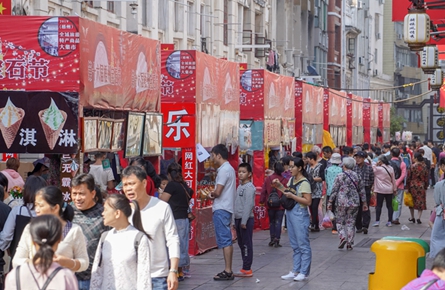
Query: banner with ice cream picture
x=39, y=122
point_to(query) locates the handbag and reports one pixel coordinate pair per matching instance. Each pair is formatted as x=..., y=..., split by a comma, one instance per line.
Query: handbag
x=190, y=215
x=289, y=203
x=408, y=199
x=373, y=200
x=274, y=201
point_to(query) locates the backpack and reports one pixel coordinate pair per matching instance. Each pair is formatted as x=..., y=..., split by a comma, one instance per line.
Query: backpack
x=274, y=199
x=137, y=241
x=395, y=164
x=406, y=158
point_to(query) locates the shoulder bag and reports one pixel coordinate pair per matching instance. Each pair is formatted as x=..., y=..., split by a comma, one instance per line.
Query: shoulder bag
x=289, y=203
x=274, y=200
x=190, y=215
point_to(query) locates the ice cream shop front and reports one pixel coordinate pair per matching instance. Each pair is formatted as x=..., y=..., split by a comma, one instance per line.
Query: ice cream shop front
x=64, y=84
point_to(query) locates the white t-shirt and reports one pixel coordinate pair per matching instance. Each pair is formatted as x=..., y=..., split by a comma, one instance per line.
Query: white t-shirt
x=101, y=176
x=225, y=175
x=428, y=153
x=159, y=224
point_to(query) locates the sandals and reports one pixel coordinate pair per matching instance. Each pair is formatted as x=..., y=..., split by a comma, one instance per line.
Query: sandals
x=224, y=276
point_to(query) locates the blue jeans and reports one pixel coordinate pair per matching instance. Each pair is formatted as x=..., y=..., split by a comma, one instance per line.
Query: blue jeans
x=297, y=228
x=182, y=225
x=84, y=284
x=222, y=220
x=159, y=283
x=396, y=214
x=275, y=221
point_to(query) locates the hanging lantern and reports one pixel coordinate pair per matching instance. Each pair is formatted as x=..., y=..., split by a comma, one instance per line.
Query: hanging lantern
x=436, y=79
x=429, y=59
x=416, y=27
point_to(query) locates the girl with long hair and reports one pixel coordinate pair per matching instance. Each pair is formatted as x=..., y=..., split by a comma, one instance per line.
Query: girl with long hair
x=177, y=194
x=298, y=189
x=46, y=234
x=122, y=259
x=72, y=250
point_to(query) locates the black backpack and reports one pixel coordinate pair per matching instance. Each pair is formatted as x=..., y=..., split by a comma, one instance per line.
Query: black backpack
x=395, y=164
x=274, y=199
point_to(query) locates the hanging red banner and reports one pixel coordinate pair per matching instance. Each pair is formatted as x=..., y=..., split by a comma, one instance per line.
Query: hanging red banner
x=349, y=120
x=42, y=56
x=299, y=114
x=367, y=120
x=326, y=110
x=7, y=156
x=380, y=114
x=5, y=7
x=179, y=127
x=252, y=94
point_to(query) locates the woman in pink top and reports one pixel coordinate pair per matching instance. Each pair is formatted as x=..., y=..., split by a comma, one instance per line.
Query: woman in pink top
x=42, y=272
x=384, y=186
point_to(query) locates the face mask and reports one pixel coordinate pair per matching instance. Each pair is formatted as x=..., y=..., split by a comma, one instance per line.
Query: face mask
x=45, y=176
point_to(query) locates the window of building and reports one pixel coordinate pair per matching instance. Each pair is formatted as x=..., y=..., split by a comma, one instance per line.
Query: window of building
x=147, y=13
x=338, y=38
x=179, y=17
x=89, y=3
x=163, y=14
x=226, y=21
x=110, y=6
x=377, y=26
x=351, y=46
x=376, y=55
x=191, y=19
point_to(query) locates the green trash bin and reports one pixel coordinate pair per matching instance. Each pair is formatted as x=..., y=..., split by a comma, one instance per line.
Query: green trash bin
x=421, y=262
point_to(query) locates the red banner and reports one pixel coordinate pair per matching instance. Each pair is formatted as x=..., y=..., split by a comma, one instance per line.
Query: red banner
x=179, y=127
x=228, y=85
x=42, y=56
x=260, y=215
x=252, y=94
x=278, y=90
x=312, y=103
x=367, y=120
x=5, y=7
x=386, y=115
x=326, y=110
x=299, y=114
x=6, y=156
x=203, y=231
x=380, y=120
x=258, y=168
x=119, y=70
x=374, y=115
x=357, y=111
x=349, y=120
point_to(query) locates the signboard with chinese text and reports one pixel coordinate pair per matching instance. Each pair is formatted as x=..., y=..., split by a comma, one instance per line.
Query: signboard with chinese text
x=119, y=70
x=367, y=120
x=179, y=125
x=42, y=56
x=69, y=167
x=252, y=94
x=348, y=136
x=299, y=114
x=189, y=167
x=272, y=132
x=7, y=156
x=39, y=122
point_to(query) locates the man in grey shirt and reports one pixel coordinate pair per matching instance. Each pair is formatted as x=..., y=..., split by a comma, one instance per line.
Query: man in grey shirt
x=223, y=207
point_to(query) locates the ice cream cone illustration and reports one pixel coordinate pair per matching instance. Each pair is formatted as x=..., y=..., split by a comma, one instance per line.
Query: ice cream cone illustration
x=10, y=120
x=52, y=120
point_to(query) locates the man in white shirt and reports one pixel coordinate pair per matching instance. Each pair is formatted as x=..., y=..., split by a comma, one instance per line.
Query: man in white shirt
x=223, y=207
x=158, y=222
x=104, y=178
x=428, y=152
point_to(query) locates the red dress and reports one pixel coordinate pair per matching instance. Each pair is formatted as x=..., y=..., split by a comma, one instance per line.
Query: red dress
x=417, y=184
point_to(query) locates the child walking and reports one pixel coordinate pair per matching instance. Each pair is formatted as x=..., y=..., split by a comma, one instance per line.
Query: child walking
x=244, y=218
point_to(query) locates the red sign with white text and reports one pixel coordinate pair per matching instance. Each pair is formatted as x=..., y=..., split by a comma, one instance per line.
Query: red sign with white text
x=349, y=120
x=7, y=156
x=326, y=110
x=380, y=108
x=252, y=94
x=179, y=125
x=367, y=120
x=299, y=114
x=42, y=56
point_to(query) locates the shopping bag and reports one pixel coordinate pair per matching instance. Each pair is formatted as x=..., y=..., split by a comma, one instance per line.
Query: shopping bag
x=331, y=215
x=395, y=204
x=408, y=199
x=327, y=223
x=373, y=200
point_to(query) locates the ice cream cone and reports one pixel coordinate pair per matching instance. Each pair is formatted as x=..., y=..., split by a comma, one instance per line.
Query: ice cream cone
x=51, y=135
x=9, y=133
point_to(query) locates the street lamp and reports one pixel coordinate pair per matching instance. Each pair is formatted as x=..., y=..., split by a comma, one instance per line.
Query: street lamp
x=416, y=26
x=436, y=79
x=429, y=59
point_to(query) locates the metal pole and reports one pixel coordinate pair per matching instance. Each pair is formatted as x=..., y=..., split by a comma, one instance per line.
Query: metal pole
x=430, y=131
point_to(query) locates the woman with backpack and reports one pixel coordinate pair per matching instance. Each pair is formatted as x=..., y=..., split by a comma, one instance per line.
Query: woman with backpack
x=122, y=259
x=42, y=272
x=417, y=184
x=270, y=197
x=71, y=252
x=384, y=186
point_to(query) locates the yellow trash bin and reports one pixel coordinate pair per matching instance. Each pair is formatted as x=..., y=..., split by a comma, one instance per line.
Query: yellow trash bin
x=395, y=265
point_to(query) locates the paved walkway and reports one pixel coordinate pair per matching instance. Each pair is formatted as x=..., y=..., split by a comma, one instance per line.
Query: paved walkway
x=331, y=268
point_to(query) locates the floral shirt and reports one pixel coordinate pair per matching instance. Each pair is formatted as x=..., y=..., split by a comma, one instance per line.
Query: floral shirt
x=316, y=172
x=348, y=189
x=330, y=175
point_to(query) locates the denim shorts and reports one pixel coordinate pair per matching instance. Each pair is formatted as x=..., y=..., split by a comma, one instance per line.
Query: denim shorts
x=221, y=221
x=159, y=283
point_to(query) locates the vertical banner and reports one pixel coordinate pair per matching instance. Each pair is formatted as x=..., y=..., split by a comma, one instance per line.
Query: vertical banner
x=299, y=114
x=189, y=174
x=258, y=168
x=69, y=164
x=252, y=94
x=367, y=120
x=349, y=120
x=326, y=110
x=380, y=112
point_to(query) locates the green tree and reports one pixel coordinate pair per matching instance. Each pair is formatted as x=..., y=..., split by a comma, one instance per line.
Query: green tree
x=396, y=122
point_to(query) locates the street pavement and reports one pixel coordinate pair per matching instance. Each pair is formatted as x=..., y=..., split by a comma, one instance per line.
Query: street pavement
x=331, y=268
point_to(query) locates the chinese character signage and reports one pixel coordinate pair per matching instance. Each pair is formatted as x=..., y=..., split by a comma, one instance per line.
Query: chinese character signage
x=42, y=56
x=189, y=167
x=119, y=70
x=272, y=132
x=252, y=94
x=38, y=122
x=299, y=114
x=69, y=166
x=367, y=120
x=179, y=125
x=7, y=156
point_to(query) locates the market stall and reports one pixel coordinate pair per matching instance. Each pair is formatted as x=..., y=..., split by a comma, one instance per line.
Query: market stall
x=337, y=117
x=200, y=103
x=312, y=106
x=266, y=102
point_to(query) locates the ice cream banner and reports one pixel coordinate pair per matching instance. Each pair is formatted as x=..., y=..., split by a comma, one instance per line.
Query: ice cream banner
x=39, y=122
x=252, y=94
x=41, y=54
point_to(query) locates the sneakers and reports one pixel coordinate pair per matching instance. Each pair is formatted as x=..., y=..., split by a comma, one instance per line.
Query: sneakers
x=376, y=224
x=389, y=224
x=349, y=247
x=300, y=277
x=342, y=243
x=243, y=273
x=334, y=232
x=289, y=276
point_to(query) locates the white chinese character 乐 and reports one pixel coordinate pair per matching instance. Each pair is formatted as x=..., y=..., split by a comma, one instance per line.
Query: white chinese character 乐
x=175, y=124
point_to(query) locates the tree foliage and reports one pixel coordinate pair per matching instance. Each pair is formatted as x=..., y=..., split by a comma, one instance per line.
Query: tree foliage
x=396, y=122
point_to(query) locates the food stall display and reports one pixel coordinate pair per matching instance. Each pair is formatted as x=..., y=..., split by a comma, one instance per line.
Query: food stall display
x=200, y=104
